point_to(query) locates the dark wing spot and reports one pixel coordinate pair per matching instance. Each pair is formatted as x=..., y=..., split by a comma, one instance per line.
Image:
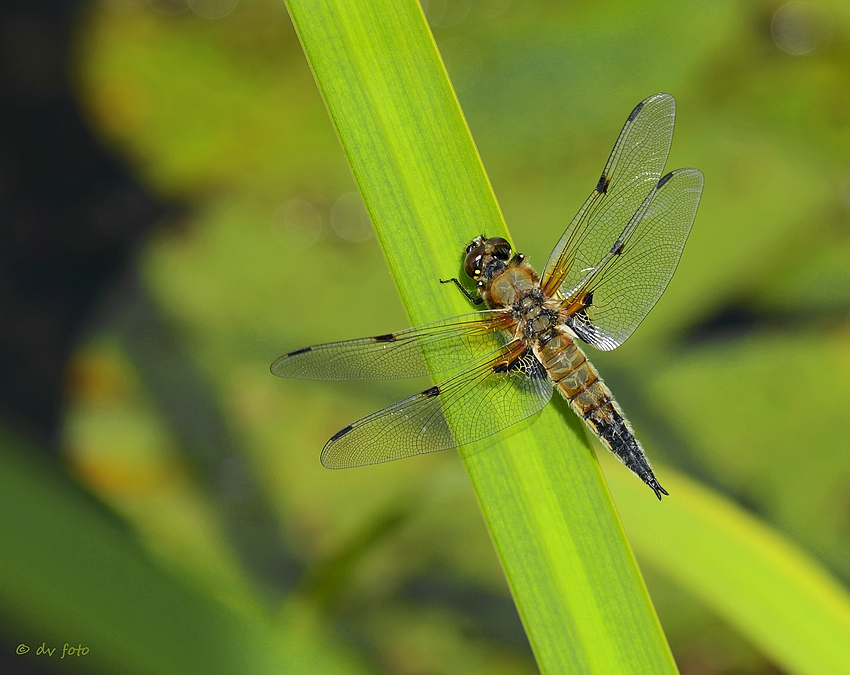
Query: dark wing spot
x=535, y=370
x=501, y=368
x=588, y=299
x=303, y=350
x=635, y=112
x=433, y=391
x=527, y=364
x=520, y=361
x=339, y=434
x=583, y=327
x=664, y=179
x=389, y=337
x=617, y=249
x=602, y=185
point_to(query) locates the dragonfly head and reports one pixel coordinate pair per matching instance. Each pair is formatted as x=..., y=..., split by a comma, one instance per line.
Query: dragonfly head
x=481, y=255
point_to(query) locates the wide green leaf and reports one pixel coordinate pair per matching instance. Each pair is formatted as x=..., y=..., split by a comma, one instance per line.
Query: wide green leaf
x=575, y=582
x=73, y=574
x=751, y=576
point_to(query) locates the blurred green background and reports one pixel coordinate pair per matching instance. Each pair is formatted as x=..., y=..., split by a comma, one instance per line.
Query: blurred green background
x=739, y=377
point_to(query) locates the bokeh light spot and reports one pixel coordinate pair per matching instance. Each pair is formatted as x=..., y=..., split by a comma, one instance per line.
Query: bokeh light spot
x=801, y=28
x=349, y=218
x=297, y=224
x=213, y=9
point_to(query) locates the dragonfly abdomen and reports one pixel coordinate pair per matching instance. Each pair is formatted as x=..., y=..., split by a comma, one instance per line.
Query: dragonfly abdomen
x=579, y=383
x=566, y=363
x=615, y=432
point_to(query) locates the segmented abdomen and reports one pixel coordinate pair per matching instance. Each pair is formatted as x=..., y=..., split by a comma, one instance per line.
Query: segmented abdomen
x=575, y=377
x=579, y=383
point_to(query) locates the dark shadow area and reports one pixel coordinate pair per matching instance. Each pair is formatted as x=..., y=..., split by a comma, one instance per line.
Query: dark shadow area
x=70, y=214
x=71, y=217
x=185, y=400
x=489, y=615
x=739, y=319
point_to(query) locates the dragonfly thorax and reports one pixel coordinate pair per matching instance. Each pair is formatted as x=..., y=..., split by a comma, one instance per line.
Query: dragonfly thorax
x=505, y=285
x=535, y=315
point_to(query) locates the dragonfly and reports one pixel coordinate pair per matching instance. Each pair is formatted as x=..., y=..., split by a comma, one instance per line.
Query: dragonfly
x=505, y=361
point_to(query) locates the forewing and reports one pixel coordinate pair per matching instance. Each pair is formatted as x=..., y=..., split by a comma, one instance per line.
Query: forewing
x=634, y=167
x=633, y=274
x=435, y=347
x=498, y=391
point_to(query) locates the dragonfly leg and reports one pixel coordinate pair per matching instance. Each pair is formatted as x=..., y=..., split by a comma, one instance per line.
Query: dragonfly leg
x=474, y=300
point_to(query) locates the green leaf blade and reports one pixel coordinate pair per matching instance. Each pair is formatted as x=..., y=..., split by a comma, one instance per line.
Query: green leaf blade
x=561, y=574
x=771, y=591
x=574, y=579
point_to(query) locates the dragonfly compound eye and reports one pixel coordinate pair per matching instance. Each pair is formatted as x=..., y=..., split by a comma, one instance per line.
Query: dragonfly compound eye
x=500, y=248
x=472, y=264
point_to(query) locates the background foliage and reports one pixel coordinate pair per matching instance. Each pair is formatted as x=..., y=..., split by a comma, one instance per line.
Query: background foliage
x=740, y=377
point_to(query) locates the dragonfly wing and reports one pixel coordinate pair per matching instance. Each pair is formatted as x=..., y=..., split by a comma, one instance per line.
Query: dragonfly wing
x=435, y=347
x=634, y=167
x=616, y=295
x=501, y=390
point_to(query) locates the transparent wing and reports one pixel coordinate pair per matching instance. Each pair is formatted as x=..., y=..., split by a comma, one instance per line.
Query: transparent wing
x=434, y=347
x=616, y=295
x=634, y=167
x=498, y=391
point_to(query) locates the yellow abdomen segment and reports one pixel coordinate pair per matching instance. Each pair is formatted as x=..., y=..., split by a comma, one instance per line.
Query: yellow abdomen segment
x=573, y=374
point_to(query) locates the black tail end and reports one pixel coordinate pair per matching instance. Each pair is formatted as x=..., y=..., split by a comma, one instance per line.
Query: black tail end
x=652, y=482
